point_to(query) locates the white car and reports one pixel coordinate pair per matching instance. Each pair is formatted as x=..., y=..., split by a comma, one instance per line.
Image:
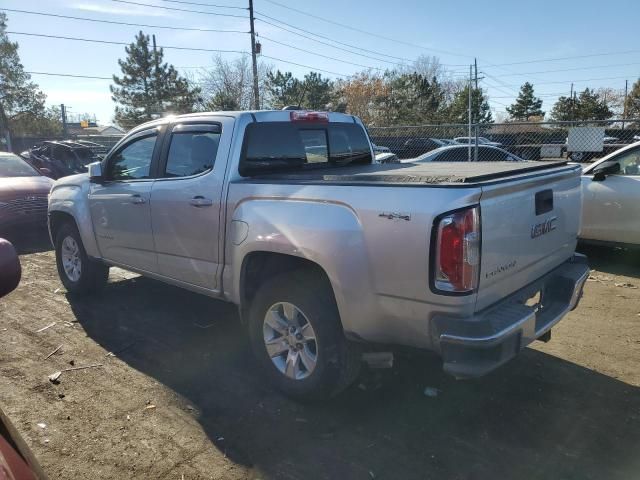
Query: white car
x=611, y=198
x=472, y=140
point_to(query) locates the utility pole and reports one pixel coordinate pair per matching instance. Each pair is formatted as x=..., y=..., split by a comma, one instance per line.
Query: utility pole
x=624, y=105
x=256, y=93
x=469, y=133
x=63, y=113
x=475, y=150
x=158, y=107
x=572, y=104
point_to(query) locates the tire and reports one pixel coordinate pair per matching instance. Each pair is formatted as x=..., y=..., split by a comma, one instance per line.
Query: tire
x=79, y=274
x=577, y=156
x=315, y=314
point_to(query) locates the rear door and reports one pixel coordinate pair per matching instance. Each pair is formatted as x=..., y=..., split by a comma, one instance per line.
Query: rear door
x=120, y=207
x=612, y=206
x=186, y=201
x=529, y=226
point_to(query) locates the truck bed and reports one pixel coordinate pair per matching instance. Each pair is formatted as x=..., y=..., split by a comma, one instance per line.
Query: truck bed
x=427, y=173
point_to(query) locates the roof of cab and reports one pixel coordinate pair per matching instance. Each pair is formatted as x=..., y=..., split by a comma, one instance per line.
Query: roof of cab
x=258, y=116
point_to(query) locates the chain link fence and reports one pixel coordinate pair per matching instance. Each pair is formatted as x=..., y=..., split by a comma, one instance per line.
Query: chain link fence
x=577, y=141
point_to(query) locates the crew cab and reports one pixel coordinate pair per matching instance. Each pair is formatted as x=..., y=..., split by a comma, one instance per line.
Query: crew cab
x=327, y=254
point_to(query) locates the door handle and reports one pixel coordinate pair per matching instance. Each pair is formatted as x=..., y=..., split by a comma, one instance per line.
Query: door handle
x=200, y=201
x=136, y=199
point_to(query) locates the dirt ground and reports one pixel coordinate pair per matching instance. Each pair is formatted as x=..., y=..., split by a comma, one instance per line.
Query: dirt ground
x=182, y=398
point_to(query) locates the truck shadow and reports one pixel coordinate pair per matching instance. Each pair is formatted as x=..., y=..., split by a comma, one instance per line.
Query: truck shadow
x=537, y=417
x=32, y=241
x=616, y=261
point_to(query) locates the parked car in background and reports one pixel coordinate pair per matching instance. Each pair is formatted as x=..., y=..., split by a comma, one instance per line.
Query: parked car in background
x=460, y=153
x=235, y=206
x=472, y=140
x=611, y=198
x=16, y=460
x=23, y=194
x=61, y=158
x=417, y=146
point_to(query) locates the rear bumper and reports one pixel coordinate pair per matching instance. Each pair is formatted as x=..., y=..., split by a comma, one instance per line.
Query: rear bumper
x=474, y=346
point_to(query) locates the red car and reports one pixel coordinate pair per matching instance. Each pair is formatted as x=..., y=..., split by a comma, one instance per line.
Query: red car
x=23, y=195
x=16, y=460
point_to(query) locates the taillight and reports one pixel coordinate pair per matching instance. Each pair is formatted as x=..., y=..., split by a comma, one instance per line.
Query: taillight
x=305, y=116
x=457, y=260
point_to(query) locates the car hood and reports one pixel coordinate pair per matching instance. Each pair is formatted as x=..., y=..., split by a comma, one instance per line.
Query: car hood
x=17, y=187
x=78, y=180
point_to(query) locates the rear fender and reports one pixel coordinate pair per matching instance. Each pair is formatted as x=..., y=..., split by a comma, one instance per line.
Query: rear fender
x=325, y=233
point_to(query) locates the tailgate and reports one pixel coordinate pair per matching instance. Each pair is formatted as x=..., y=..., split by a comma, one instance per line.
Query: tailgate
x=530, y=225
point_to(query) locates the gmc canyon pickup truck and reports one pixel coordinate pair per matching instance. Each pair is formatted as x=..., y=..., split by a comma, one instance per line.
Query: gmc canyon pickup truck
x=326, y=254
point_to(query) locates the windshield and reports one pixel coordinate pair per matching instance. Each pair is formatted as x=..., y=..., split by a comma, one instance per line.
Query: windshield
x=13, y=166
x=85, y=155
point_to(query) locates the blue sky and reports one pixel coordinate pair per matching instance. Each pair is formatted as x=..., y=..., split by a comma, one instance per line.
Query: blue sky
x=497, y=33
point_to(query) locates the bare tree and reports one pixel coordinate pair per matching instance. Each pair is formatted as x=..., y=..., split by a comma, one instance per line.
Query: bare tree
x=228, y=84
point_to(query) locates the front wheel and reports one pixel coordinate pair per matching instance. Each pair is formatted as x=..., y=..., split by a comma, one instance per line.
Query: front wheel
x=79, y=273
x=297, y=337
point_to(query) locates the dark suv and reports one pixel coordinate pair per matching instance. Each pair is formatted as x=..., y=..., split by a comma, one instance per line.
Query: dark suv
x=60, y=158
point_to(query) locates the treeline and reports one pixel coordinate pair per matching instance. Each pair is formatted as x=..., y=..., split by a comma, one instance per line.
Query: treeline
x=421, y=93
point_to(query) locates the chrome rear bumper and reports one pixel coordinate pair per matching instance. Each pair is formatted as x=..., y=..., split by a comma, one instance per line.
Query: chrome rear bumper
x=474, y=346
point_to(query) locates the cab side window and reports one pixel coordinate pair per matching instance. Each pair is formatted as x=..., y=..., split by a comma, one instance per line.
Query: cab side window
x=133, y=161
x=191, y=152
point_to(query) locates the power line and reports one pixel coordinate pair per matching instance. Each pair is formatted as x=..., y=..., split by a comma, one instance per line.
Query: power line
x=624, y=52
x=570, y=69
x=85, y=19
x=305, y=66
x=332, y=46
x=69, y=75
x=206, y=4
x=325, y=37
x=179, y=9
x=109, y=42
x=573, y=81
x=318, y=54
x=377, y=35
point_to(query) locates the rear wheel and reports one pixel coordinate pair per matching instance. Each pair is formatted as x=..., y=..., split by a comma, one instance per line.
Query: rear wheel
x=79, y=273
x=297, y=337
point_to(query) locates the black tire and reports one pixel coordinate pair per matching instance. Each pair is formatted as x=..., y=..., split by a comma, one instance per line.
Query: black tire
x=93, y=274
x=338, y=360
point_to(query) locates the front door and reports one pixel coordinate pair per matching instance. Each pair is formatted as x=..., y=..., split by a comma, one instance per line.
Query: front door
x=612, y=206
x=186, y=202
x=120, y=207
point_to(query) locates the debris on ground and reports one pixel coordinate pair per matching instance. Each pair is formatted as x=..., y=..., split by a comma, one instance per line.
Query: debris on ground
x=150, y=407
x=44, y=328
x=42, y=425
x=431, y=392
x=54, y=352
x=55, y=376
x=625, y=285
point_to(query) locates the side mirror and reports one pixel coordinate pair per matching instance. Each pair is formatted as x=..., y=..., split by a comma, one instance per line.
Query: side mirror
x=95, y=172
x=606, y=168
x=10, y=271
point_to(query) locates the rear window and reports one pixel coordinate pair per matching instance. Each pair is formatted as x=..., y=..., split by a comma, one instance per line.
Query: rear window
x=283, y=146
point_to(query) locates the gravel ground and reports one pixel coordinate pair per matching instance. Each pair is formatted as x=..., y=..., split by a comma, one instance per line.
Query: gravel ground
x=180, y=396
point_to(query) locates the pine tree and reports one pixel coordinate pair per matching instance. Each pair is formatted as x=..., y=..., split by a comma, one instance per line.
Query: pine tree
x=587, y=106
x=592, y=107
x=317, y=91
x=458, y=110
x=21, y=101
x=148, y=87
x=632, y=105
x=283, y=89
x=526, y=105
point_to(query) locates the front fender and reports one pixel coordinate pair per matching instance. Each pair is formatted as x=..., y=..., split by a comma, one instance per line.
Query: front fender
x=328, y=234
x=73, y=199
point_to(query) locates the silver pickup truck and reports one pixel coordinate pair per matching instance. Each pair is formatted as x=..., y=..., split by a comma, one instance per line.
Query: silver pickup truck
x=326, y=254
